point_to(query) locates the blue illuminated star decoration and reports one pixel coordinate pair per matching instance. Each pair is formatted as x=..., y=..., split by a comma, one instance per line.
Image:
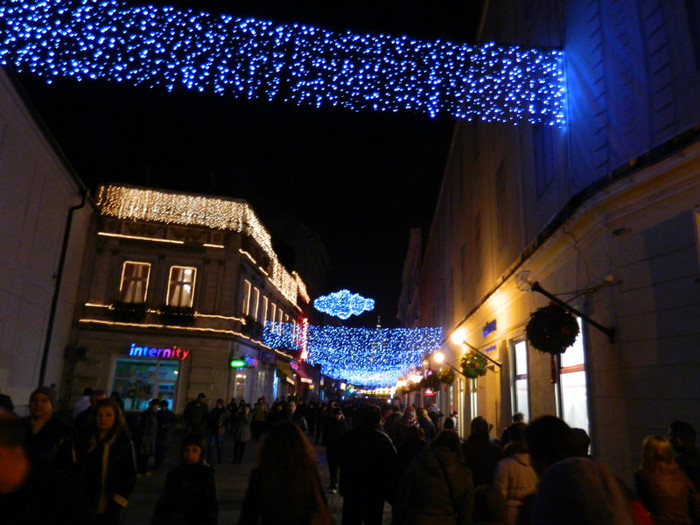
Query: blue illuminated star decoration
x=246, y=57
x=343, y=304
x=372, y=357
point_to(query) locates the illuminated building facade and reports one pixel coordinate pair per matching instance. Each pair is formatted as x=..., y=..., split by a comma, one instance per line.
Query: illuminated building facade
x=176, y=287
x=603, y=213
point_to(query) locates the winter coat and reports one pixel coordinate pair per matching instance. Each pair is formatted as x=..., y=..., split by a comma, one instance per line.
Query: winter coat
x=146, y=431
x=367, y=461
x=437, y=489
x=195, y=415
x=189, y=497
x=481, y=456
x=110, y=488
x=516, y=479
x=428, y=428
x=166, y=421
x=216, y=423
x=55, y=442
x=241, y=426
x=669, y=496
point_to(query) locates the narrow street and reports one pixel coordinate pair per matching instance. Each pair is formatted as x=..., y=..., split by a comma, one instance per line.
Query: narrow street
x=232, y=483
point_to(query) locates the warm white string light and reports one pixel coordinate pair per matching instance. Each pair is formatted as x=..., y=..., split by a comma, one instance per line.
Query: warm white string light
x=125, y=202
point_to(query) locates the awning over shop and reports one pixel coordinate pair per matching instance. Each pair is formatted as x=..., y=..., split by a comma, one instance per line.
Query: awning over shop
x=285, y=371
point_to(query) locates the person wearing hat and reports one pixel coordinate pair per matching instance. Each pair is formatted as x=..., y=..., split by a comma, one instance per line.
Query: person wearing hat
x=333, y=431
x=47, y=437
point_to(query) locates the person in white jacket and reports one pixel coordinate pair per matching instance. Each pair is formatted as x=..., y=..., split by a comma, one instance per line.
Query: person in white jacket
x=515, y=478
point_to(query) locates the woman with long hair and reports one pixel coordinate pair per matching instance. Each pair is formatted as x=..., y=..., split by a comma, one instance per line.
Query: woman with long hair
x=665, y=489
x=285, y=488
x=107, y=463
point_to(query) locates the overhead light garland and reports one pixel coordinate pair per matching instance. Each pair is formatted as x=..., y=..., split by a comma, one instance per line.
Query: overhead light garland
x=343, y=304
x=164, y=46
x=126, y=202
x=374, y=357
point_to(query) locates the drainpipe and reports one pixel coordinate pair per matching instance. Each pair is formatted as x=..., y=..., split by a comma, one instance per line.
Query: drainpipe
x=57, y=287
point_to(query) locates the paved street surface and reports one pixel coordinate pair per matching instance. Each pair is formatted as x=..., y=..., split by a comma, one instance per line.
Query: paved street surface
x=232, y=483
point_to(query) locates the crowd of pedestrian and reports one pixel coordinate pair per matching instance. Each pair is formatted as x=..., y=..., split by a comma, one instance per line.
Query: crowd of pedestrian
x=411, y=457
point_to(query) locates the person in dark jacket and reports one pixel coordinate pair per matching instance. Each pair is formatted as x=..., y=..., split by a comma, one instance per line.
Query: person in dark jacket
x=107, y=463
x=31, y=491
x=216, y=426
x=196, y=416
x=334, y=429
x=427, y=425
x=48, y=437
x=189, y=495
x=481, y=455
x=437, y=487
x=145, y=437
x=367, y=461
x=166, y=421
x=241, y=433
x=285, y=487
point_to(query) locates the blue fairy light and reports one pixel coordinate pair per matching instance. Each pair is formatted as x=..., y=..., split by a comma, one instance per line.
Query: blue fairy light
x=343, y=304
x=374, y=357
x=229, y=56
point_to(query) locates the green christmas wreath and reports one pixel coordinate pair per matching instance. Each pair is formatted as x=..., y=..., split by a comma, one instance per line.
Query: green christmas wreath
x=432, y=382
x=474, y=365
x=446, y=375
x=552, y=329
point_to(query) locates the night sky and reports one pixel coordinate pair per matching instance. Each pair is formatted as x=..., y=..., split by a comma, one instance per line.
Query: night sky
x=362, y=180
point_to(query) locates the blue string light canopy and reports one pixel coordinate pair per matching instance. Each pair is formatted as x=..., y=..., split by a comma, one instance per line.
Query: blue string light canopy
x=246, y=57
x=372, y=357
x=343, y=304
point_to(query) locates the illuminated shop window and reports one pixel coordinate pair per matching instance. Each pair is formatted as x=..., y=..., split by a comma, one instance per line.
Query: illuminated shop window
x=241, y=379
x=134, y=283
x=245, y=305
x=521, y=393
x=181, y=286
x=138, y=381
x=573, y=390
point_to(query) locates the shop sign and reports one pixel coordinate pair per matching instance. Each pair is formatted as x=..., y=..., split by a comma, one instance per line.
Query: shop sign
x=488, y=329
x=175, y=352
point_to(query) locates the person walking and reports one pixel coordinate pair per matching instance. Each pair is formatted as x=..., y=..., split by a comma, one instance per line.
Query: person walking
x=427, y=425
x=145, y=437
x=166, y=421
x=367, y=460
x=196, y=416
x=481, y=455
x=285, y=487
x=334, y=429
x=48, y=437
x=107, y=463
x=189, y=495
x=260, y=413
x=666, y=491
x=216, y=426
x=515, y=478
x=241, y=433
x=437, y=486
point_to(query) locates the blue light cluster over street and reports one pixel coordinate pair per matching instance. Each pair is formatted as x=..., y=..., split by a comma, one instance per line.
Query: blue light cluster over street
x=374, y=357
x=343, y=304
x=208, y=53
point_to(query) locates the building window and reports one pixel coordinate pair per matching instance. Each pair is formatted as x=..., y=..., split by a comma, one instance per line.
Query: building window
x=273, y=312
x=181, y=286
x=263, y=311
x=134, y=283
x=572, y=388
x=255, y=303
x=245, y=305
x=521, y=394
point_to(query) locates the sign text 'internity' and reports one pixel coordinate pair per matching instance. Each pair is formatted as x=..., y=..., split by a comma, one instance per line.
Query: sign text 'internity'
x=164, y=353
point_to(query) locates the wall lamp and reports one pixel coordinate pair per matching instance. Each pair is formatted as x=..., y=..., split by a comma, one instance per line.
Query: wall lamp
x=458, y=337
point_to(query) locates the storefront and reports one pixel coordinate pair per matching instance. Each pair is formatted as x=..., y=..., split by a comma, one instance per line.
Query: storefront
x=145, y=373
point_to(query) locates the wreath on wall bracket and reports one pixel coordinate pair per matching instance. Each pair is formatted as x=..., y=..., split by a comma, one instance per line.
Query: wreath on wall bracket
x=552, y=329
x=473, y=365
x=432, y=382
x=446, y=375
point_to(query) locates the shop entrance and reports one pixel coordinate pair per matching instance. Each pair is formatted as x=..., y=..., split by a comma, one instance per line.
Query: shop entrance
x=139, y=380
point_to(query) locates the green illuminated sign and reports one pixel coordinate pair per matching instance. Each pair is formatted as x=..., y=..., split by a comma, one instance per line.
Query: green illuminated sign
x=237, y=363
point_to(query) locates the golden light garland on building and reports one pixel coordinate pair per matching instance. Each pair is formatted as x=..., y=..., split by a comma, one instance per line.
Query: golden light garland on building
x=128, y=202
